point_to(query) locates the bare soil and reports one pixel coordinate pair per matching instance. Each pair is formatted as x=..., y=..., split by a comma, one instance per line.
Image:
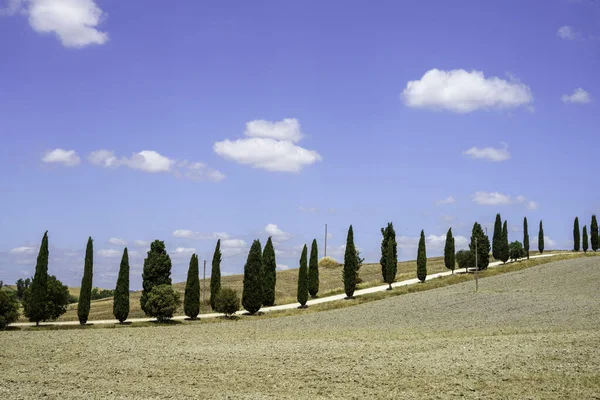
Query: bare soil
x=530, y=334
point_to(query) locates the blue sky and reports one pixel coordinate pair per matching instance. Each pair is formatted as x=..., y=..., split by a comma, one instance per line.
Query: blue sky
x=134, y=121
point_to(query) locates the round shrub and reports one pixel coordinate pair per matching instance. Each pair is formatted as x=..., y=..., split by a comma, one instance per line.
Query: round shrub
x=227, y=301
x=9, y=309
x=328, y=262
x=162, y=302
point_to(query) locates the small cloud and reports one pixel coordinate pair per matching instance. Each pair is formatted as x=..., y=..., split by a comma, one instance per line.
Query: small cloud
x=117, y=241
x=282, y=267
x=491, y=198
x=447, y=200
x=277, y=234
x=308, y=209
x=189, y=234
x=567, y=33
x=23, y=250
x=142, y=243
x=109, y=253
x=488, y=153
x=68, y=158
x=579, y=96
x=286, y=129
x=521, y=199
x=532, y=205
x=185, y=250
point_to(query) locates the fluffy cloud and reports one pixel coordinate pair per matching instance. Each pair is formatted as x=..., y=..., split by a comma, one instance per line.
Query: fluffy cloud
x=74, y=22
x=447, y=200
x=579, y=96
x=269, y=146
x=68, y=158
x=233, y=247
x=189, y=234
x=183, y=251
x=532, y=205
x=462, y=91
x=566, y=32
x=277, y=234
x=117, y=241
x=491, y=198
x=154, y=162
x=109, y=253
x=488, y=153
x=282, y=267
x=23, y=250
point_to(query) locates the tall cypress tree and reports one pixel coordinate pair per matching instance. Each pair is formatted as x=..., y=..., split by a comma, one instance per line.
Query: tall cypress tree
x=252, y=295
x=313, y=270
x=497, y=239
x=541, y=239
x=585, y=239
x=390, y=272
x=121, y=298
x=215, y=275
x=302, y=295
x=191, y=299
x=350, y=265
x=85, y=294
x=525, y=238
x=504, y=249
x=449, y=251
x=270, y=272
x=594, y=233
x=422, y=259
x=39, y=286
x=576, y=237
x=482, y=246
x=389, y=235
x=157, y=270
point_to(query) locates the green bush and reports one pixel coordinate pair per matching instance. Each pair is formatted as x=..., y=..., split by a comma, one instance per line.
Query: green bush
x=227, y=302
x=9, y=308
x=162, y=302
x=465, y=259
x=55, y=302
x=516, y=250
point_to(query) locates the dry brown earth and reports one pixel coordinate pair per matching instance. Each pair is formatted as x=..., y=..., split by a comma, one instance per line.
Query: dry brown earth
x=530, y=334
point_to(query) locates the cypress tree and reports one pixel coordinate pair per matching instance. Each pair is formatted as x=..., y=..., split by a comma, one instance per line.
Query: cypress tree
x=585, y=239
x=313, y=270
x=85, y=294
x=157, y=270
x=252, y=295
x=390, y=273
x=497, y=239
x=594, y=233
x=541, y=239
x=482, y=246
x=422, y=259
x=191, y=299
x=302, y=296
x=350, y=265
x=270, y=271
x=504, y=249
x=39, y=286
x=449, y=251
x=576, y=237
x=525, y=238
x=389, y=234
x=215, y=275
x=121, y=299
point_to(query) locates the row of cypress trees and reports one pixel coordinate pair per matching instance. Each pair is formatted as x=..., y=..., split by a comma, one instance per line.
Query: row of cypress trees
x=583, y=243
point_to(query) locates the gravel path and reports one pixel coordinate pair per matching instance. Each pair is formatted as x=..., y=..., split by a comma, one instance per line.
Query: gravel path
x=289, y=306
x=531, y=334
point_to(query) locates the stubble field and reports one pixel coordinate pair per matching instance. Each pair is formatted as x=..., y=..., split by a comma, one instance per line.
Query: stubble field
x=527, y=334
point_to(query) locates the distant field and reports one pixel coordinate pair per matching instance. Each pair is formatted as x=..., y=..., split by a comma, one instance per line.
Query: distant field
x=530, y=334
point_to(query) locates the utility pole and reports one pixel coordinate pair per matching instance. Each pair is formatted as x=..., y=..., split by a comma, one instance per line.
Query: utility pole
x=476, y=268
x=325, y=241
x=204, y=283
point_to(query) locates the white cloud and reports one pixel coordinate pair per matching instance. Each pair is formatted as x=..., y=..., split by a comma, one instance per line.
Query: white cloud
x=109, y=253
x=521, y=199
x=566, y=32
x=233, y=243
x=68, y=158
x=23, y=250
x=184, y=250
x=142, y=243
x=579, y=96
x=461, y=91
x=548, y=242
x=269, y=146
x=277, y=234
x=491, y=198
x=189, y=234
x=154, y=162
x=488, y=153
x=282, y=267
x=74, y=22
x=532, y=205
x=447, y=200
x=117, y=241
x=287, y=129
